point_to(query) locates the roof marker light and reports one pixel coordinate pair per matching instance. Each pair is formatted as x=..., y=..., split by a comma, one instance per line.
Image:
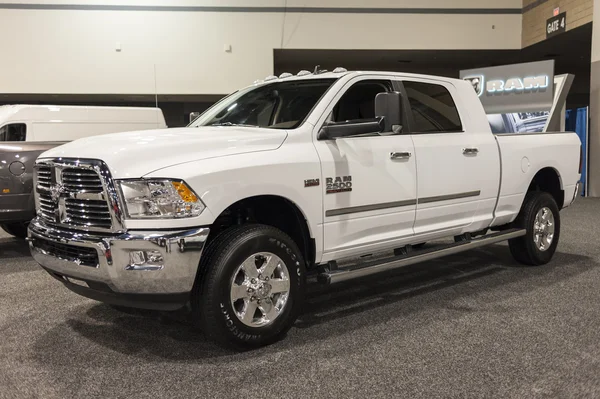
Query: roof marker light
x=340, y=70
x=303, y=72
x=285, y=75
x=270, y=77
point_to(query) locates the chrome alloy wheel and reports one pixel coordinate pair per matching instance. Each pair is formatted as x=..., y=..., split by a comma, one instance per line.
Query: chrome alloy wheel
x=260, y=289
x=543, y=229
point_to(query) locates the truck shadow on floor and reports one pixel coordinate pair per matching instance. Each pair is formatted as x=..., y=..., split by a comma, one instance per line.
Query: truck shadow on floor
x=441, y=288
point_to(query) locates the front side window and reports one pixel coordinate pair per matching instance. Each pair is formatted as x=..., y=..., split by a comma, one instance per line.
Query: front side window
x=359, y=101
x=432, y=107
x=13, y=132
x=278, y=105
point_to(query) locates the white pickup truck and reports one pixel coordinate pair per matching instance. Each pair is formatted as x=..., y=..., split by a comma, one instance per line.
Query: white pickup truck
x=292, y=176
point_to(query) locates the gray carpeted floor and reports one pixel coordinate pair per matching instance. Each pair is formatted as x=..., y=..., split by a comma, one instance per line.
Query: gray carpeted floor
x=474, y=325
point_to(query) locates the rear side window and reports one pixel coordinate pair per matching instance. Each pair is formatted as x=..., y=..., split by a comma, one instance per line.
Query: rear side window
x=432, y=107
x=13, y=132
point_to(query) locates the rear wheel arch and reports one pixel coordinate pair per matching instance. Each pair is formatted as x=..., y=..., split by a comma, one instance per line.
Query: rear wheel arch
x=548, y=180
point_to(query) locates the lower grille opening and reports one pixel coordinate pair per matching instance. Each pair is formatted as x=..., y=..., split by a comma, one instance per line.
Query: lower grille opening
x=82, y=255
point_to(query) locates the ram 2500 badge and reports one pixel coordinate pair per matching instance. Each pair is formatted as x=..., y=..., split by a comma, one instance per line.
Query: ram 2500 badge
x=292, y=176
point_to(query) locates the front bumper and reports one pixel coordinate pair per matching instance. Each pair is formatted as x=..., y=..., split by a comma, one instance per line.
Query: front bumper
x=111, y=277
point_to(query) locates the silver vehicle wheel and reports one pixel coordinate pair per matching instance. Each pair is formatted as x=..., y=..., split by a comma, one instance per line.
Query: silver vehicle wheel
x=260, y=289
x=543, y=229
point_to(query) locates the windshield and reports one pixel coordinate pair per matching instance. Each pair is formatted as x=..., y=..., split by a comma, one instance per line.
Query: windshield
x=279, y=105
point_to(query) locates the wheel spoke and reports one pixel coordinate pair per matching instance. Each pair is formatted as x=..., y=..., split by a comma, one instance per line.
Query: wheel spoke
x=545, y=214
x=238, y=292
x=269, y=311
x=279, y=286
x=249, y=311
x=269, y=267
x=537, y=238
x=539, y=216
x=249, y=268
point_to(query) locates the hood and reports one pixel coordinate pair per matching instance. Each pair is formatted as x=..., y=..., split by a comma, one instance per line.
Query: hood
x=135, y=154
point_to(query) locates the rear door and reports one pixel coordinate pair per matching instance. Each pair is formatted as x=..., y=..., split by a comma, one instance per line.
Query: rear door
x=457, y=168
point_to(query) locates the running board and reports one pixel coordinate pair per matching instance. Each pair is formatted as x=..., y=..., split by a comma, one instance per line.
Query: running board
x=367, y=269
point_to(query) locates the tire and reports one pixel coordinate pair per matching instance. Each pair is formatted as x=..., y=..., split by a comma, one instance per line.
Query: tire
x=226, y=271
x=526, y=249
x=17, y=229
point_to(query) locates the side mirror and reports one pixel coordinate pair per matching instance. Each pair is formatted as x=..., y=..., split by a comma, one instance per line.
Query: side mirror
x=389, y=107
x=333, y=130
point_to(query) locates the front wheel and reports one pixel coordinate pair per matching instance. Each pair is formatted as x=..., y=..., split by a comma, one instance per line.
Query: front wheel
x=17, y=229
x=251, y=287
x=540, y=217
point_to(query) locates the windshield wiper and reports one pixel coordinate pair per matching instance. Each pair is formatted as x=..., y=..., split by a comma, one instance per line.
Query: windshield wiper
x=230, y=124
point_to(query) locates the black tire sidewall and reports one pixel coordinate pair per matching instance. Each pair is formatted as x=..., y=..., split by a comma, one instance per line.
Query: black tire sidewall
x=225, y=321
x=540, y=201
x=16, y=229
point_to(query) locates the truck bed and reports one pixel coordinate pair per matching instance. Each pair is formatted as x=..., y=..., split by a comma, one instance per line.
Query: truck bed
x=522, y=156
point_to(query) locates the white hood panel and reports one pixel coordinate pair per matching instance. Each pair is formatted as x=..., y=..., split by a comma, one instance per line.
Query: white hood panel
x=135, y=154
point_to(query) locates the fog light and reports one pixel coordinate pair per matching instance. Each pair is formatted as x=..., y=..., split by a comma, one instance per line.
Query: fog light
x=145, y=260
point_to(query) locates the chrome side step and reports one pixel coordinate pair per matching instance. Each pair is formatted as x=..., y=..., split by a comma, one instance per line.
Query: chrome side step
x=340, y=275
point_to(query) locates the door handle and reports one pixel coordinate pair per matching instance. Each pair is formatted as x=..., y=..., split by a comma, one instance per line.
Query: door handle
x=400, y=155
x=470, y=151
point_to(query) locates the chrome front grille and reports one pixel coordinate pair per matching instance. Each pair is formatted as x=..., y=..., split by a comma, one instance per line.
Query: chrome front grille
x=77, y=194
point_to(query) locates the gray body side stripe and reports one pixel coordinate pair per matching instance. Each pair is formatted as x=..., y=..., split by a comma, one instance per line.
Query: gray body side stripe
x=448, y=197
x=366, y=208
x=309, y=10
x=397, y=204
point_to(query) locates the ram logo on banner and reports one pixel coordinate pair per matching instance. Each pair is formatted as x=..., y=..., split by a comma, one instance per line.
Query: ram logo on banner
x=514, y=88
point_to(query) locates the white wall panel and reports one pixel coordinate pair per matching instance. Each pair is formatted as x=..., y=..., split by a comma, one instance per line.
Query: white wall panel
x=73, y=51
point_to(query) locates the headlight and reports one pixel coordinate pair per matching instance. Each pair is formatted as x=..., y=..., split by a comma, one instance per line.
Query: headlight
x=145, y=199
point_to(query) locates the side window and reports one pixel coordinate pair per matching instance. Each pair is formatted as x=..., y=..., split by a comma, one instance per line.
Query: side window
x=359, y=101
x=13, y=132
x=432, y=107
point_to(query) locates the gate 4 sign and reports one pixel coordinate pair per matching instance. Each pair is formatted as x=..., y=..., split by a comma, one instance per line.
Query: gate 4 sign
x=556, y=25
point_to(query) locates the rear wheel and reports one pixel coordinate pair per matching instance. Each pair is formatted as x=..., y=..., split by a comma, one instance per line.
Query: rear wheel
x=540, y=217
x=251, y=288
x=17, y=229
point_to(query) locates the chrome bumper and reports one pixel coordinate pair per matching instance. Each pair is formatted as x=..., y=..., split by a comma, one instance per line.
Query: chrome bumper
x=180, y=250
x=576, y=193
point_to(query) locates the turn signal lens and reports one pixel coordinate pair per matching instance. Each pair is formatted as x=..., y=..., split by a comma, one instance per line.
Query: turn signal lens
x=184, y=192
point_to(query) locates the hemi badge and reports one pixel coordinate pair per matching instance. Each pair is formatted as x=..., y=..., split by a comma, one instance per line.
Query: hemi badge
x=311, y=182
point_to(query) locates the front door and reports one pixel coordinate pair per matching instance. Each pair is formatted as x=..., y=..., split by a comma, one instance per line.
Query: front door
x=369, y=191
